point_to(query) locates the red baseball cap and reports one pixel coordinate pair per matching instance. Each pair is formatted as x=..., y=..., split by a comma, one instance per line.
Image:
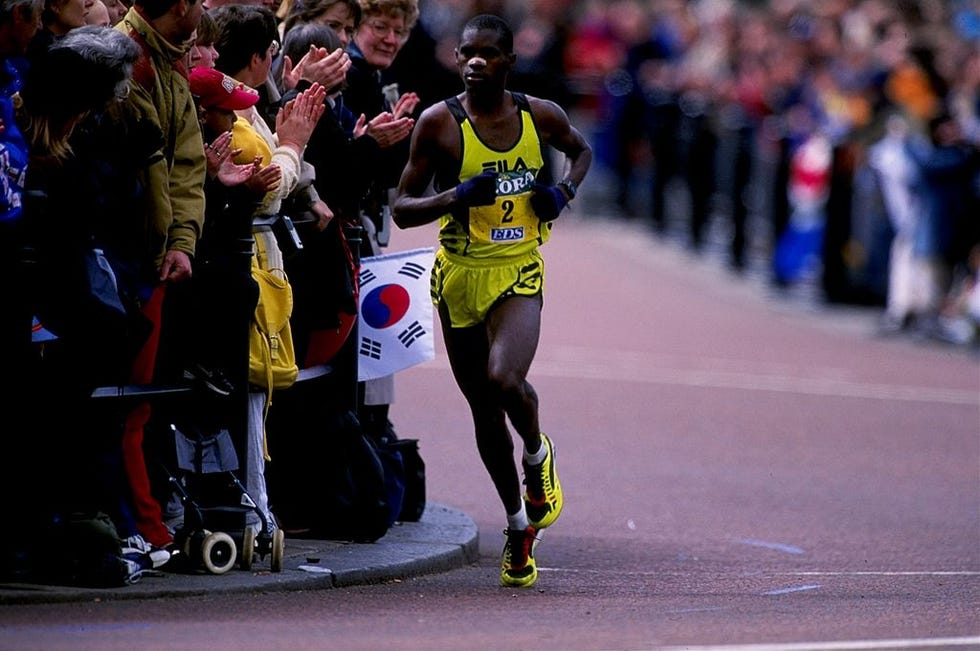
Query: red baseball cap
x=215, y=89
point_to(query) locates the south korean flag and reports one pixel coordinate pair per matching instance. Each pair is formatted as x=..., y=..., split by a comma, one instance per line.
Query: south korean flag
x=395, y=326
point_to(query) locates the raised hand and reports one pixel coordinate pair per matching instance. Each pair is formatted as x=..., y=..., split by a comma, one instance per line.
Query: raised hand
x=264, y=179
x=405, y=105
x=297, y=119
x=387, y=129
x=218, y=151
x=329, y=69
x=230, y=173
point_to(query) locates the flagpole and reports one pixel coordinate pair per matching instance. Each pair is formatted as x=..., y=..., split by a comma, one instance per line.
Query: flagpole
x=354, y=234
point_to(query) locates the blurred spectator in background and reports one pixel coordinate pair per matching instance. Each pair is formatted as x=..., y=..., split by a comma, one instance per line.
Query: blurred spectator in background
x=749, y=84
x=946, y=175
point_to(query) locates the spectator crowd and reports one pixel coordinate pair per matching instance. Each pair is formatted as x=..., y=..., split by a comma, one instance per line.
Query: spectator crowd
x=837, y=141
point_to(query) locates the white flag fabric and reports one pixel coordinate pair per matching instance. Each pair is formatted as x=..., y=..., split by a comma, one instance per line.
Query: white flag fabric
x=395, y=326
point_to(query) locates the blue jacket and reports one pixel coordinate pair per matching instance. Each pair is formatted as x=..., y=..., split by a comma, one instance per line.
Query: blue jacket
x=13, y=146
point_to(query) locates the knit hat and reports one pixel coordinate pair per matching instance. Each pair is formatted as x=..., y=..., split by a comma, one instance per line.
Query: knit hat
x=215, y=89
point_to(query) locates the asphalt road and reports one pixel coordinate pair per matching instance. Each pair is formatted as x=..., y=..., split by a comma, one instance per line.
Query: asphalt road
x=741, y=471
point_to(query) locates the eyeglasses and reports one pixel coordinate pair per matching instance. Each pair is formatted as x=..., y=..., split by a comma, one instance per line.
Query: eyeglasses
x=381, y=30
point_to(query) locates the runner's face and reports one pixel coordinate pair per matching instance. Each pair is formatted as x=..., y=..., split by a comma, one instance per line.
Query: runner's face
x=480, y=60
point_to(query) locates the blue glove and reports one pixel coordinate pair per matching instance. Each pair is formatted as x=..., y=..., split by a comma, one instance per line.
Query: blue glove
x=480, y=190
x=547, y=201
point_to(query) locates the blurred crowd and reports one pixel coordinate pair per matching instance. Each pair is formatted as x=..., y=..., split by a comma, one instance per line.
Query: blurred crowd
x=834, y=139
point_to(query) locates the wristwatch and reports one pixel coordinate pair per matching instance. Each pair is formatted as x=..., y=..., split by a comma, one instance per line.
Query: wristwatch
x=570, y=187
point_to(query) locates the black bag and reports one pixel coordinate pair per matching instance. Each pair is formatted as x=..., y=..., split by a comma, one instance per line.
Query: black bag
x=356, y=501
x=79, y=549
x=413, y=505
x=409, y=482
x=326, y=476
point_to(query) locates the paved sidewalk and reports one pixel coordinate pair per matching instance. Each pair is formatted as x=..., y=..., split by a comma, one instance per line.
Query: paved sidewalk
x=442, y=540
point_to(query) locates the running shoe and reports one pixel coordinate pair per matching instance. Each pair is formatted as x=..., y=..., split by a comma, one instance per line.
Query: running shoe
x=542, y=495
x=517, y=567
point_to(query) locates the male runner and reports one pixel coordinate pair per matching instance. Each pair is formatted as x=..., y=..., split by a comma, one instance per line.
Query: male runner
x=483, y=152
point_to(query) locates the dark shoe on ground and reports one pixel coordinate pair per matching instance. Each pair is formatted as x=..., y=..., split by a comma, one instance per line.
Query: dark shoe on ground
x=214, y=379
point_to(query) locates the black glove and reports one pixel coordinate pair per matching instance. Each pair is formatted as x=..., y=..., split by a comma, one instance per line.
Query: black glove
x=480, y=190
x=547, y=201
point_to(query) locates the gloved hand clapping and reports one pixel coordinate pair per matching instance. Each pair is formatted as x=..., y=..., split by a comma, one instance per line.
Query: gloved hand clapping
x=480, y=190
x=547, y=201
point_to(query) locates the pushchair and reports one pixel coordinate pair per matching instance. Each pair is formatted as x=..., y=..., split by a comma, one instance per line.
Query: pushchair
x=215, y=503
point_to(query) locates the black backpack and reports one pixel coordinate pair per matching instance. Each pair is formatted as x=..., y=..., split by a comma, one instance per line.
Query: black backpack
x=325, y=477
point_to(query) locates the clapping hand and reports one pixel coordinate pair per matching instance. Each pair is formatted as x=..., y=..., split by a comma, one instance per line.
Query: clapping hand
x=218, y=151
x=264, y=179
x=297, y=119
x=329, y=69
x=231, y=173
x=386, y=128
x=405, y=105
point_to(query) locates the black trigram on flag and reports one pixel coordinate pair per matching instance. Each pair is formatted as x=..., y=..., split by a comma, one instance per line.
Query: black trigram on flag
x=395, y=330
x=366, y=277
x=411, y=334
x=370, y=348
x=412, y=270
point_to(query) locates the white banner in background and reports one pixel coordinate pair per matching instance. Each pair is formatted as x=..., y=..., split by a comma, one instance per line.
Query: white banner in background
x=395, y=326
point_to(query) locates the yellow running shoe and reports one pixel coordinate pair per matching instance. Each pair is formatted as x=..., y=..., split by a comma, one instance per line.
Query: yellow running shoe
x=542, y=495
x=517, y=567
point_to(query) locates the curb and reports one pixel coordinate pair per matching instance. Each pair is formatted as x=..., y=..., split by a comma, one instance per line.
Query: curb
x=444, y=539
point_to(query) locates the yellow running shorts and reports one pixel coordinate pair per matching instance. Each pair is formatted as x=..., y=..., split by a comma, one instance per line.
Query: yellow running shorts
x=470, y=288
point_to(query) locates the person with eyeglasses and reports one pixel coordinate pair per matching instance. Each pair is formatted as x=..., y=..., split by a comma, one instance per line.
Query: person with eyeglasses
x=382, y=32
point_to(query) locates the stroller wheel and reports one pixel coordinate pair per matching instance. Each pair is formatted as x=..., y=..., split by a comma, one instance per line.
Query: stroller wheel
x=218, y=552
x=247, y=553
x=278, y=550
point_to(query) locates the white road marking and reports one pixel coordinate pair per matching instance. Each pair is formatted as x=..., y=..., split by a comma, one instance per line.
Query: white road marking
x=966, y=573
x=634, y=370
x=797, y=588
x=779, y=547
x=909, y=643
x=886, y=573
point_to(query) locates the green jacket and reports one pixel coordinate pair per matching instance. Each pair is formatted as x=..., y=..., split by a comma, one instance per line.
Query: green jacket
x=160, y=95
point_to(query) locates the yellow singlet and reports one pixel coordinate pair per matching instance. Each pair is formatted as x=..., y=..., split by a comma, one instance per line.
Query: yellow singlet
x=509, y=227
